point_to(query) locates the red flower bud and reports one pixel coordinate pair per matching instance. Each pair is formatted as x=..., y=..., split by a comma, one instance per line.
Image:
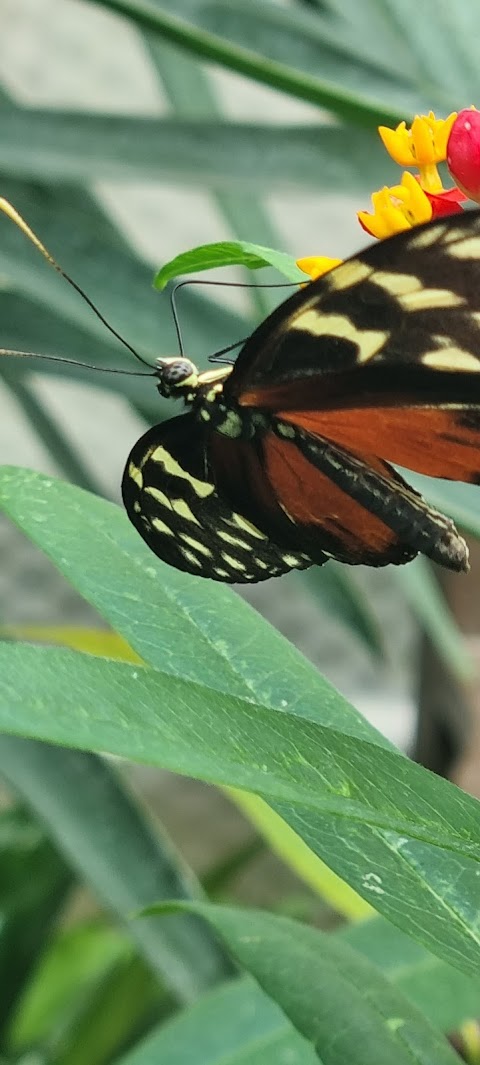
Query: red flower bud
x=463, y=152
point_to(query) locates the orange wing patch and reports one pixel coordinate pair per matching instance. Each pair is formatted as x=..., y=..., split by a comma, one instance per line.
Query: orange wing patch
x=315, y=503
x=438, y=443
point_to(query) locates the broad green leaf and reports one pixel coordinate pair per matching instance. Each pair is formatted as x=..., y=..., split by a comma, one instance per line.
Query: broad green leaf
x=190, y=629
x=236, y=1023
x=34, y=886
x=443, y=994
x=228, y=253
x=182, y=624
x=279, y=836
x=333, y=996
x=220, y=155
x=329, y=786
x=107, y=838
x=355, y=106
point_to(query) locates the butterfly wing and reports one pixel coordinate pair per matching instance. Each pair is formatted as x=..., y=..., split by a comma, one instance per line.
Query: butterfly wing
x=382, y=354
x=312, y=496
x=170, y=496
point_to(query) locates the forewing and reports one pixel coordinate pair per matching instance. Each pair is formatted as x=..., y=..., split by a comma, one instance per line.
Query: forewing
x=382, y=354
x=413, y=299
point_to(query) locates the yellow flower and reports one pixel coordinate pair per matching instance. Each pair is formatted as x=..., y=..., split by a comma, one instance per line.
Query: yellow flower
x=397, y=208
x=424, y=143
x=316, y=265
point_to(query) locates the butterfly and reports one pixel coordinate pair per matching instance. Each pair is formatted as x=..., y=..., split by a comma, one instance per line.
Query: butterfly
x=283, y=460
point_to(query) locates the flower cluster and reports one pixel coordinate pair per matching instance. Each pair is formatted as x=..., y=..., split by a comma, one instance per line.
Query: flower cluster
x=420, y=196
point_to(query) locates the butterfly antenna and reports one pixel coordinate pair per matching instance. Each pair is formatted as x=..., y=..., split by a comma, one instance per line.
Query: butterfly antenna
x=73, y=362
x=216, y=357
x=17, y=219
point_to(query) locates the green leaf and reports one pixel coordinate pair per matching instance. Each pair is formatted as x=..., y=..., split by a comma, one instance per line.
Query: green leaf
x=184, y=625
x=427, y=825
x=228, y=253
x=110, y=842
x=333, y=996
x=445, y=996
x=233, y=157
x=358, y=805
x=236, y=1023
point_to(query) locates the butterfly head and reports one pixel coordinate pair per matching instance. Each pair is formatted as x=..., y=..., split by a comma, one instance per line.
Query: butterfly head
x=179, y=378
x=176, y=377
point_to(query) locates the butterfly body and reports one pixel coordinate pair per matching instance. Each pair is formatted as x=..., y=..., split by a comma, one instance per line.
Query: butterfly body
x=283, y=461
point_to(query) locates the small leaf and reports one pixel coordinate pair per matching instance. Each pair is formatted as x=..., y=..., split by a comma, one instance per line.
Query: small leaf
x=228, y=253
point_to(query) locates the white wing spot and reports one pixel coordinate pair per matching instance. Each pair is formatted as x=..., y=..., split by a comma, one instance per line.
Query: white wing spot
x=396, y=284
x=181, y=507
x=452, y=235
x=196, y=545
x=348, y=274
x=160, y=526
x=246, y=525
x=235, y=563
x=190, y=557
x=428, y=298
x=426, y=238
x=451, y=359
x=465, y=249
x=135, y=474
x=234, y=540
x=367, y=341
x=158, y=495
x=286, y=430
x=171, y=466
